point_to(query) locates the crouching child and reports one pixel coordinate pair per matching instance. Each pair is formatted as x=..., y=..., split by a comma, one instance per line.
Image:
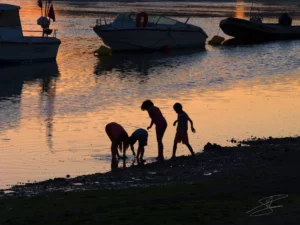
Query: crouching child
x=140, y=135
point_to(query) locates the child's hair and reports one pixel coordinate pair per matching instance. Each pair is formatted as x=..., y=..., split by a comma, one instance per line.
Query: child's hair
x=146, y=104
x=177, y=107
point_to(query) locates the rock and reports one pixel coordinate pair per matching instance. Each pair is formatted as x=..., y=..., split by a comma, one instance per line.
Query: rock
x=210, y=146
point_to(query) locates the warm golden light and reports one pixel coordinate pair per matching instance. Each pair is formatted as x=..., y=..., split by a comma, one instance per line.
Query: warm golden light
x=240, y=9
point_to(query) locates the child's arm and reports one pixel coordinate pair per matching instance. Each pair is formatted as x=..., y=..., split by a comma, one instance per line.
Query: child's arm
x=124, y=150
x=192, y=125
x=174, y=124
x=150, y=125
x=132, y=149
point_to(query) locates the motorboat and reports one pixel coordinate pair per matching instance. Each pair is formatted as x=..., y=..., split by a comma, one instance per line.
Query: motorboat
x=142, y=31
x=17, y=48
x=256, y=30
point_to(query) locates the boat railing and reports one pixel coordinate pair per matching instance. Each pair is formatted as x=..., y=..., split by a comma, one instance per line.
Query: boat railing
x=40, y=31
x=101, y=21
x=157, y=20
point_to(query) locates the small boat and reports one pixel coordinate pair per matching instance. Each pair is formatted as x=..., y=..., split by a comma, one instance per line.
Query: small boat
x=17, y=48
x=142, y=31
x=255, y=30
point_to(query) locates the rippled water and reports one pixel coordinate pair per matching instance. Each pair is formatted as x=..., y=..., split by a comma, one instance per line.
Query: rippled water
x=52, y=116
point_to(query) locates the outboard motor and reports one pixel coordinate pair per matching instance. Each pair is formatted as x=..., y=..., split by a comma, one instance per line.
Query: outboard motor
x=44, y=23
x=285, y=20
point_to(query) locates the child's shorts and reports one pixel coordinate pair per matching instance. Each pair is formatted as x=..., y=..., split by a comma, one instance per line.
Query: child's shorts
x=182, y=136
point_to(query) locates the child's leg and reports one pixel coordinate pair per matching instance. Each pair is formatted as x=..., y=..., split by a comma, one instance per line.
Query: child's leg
x=160, y=131
x=174, y=148
x=142, y=150
x=138, y=152
x=117, y=153
x=124, y=151
x=160, y=149
x=191, y=149
x=114, y=152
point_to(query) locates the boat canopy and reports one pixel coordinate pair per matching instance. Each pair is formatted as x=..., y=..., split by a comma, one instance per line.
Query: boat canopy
x=7, y=7
x=130, y=17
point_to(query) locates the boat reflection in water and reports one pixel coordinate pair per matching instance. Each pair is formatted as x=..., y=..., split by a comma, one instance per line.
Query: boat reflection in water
x=12, y=81
x=12, y=78
x=143, y=63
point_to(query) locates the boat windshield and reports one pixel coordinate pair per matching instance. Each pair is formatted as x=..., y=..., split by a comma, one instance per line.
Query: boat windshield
x=154, y=19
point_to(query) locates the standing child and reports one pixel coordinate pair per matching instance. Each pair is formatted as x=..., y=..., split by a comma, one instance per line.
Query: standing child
x=140, y=135
x=160, y=124
x=119, y=138
x=182, y=128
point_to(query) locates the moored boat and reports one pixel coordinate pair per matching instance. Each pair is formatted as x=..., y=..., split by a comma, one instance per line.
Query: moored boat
x=255, y=30
x=140, y=31
x=17, y=48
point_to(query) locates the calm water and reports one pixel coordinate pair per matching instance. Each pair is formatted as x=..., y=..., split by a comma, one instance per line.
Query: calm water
x=52, y=116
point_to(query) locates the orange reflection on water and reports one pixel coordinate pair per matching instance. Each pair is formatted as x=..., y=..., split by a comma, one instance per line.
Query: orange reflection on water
x=240, y=9
x=76, y=143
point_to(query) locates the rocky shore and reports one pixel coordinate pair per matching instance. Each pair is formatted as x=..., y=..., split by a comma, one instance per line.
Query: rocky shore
x=275, y=155
x=220, y=186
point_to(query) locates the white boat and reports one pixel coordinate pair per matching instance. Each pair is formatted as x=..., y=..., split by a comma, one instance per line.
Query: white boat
x=140, y=31
x=16, y=48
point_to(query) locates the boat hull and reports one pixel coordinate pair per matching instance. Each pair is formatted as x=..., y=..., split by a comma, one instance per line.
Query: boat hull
x=253, y=31
x=28, y=50
x=150, y=39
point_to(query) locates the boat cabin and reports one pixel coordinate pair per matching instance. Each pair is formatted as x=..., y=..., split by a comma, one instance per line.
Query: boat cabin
x=10, y=23
x=129, y=20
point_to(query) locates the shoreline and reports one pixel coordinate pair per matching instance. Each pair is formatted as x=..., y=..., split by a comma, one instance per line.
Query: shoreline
x=214, y=162
x=219, y=186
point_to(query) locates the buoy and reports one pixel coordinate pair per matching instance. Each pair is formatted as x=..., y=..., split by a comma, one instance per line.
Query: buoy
x=102, y=51
x=216, y=40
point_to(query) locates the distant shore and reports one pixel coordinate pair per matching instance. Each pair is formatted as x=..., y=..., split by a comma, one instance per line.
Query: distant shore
x=218, y=186
x=234, y=1
x=183, y=9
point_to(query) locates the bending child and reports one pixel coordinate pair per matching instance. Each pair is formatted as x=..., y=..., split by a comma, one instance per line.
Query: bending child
x=182, y=128
x=160, y=125
x=119, y=138
x=140, y=135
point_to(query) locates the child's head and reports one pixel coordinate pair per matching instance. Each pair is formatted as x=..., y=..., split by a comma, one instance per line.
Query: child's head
x=131, y=142
x=146, y=104
x=177, y=107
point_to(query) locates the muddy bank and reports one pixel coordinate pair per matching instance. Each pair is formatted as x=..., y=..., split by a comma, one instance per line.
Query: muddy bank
x=275, y=158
